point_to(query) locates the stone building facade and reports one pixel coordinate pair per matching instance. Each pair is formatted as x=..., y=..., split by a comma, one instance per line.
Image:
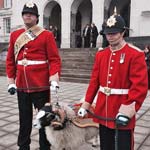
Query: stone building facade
x=70, y=16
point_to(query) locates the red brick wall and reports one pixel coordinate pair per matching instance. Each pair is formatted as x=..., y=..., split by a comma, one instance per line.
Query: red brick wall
x=1, y=4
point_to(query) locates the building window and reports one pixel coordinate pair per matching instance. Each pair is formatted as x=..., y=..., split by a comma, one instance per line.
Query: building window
x=1, y=4
x=7, y=3
x=6, y=25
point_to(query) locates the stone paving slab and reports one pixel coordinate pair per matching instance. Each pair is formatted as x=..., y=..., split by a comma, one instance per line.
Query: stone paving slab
x=68, y=93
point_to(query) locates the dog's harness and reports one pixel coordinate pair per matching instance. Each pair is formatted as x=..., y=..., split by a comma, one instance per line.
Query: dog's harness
x=77, y=121
x=84, y=122
x=62, y=118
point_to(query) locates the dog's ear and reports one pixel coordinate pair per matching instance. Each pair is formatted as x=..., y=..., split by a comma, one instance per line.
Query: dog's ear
x=48, y=116
x=47, y=108
x=40, y=114
x=46, y=119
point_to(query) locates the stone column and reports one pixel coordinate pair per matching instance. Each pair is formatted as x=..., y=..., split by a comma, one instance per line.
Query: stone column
x=98, y=17
x=98, y=13
x=65, y=26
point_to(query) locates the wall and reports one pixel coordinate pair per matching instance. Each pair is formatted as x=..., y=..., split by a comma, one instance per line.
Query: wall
x=139, y=20
x=1, y=4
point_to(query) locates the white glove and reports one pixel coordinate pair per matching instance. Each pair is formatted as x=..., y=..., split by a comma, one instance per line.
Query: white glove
x=12, y=89
x=82, y=112
x=54, y=86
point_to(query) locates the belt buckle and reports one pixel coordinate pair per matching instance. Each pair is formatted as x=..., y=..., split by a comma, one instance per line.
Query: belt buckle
x=107, y=91
x=24, y=62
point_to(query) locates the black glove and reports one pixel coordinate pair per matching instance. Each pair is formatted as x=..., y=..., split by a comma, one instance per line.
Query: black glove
x=122, y=120
x=12, y=89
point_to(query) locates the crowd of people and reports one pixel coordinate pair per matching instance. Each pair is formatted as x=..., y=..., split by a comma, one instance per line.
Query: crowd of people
x=89, y=37
x=90, y=34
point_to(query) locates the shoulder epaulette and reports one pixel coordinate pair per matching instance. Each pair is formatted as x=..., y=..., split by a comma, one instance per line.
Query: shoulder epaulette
x=136, y=48
x=101, y=49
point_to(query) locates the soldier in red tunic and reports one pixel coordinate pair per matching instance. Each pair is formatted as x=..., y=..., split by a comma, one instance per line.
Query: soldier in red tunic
x=32, y=64
x=119, y=77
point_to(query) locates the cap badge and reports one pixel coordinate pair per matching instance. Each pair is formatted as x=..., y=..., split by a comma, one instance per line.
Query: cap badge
x=30, y=4
x=111, y=21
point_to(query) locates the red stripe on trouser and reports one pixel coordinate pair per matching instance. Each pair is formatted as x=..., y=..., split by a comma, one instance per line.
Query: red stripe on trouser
x=132, y=139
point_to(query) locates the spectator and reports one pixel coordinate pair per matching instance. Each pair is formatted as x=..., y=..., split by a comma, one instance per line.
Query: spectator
x=57, y=37
x=94, y=34
x=51, y=29
x=86, y=36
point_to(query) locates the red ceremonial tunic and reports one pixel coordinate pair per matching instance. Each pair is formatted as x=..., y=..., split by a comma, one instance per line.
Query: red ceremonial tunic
x=43, y=48
x=109, y=71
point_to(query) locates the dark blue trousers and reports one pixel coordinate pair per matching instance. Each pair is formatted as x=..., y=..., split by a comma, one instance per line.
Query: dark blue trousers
x=107, y=139
x=25, y=105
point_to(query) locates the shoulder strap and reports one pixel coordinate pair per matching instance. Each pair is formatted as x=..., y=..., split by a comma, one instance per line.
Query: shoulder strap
x=133, y=46
x=25, y=37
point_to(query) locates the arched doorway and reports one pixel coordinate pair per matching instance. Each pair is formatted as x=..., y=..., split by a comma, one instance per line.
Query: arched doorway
x=81, y=14
x=52, y=17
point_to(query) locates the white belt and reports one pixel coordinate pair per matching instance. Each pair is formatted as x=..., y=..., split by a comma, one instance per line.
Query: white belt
x=108, y=91
x=26, y=62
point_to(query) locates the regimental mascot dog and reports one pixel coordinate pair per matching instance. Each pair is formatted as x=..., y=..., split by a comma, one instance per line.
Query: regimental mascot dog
x=64, y=129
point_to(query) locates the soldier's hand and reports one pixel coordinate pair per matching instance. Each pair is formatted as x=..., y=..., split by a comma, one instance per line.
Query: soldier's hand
x=54, y=86
x=122, y=120
x=12, y=89
x=82, y=112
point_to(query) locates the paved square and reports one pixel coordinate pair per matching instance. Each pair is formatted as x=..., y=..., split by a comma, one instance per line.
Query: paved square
x=68, y=93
